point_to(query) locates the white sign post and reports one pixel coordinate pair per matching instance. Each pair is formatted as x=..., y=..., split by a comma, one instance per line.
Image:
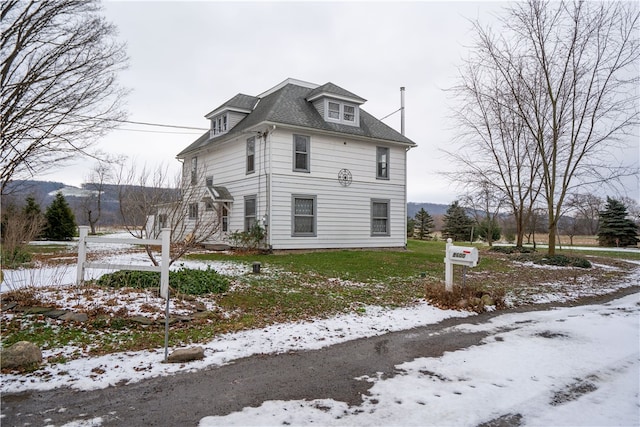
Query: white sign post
x=163, y=268
x=459, y=255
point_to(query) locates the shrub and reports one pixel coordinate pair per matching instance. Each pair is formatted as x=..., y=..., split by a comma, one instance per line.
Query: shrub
x=184, y=280
x=470, y=298
x=248, y=240
x=556, y=260
x=512, y=250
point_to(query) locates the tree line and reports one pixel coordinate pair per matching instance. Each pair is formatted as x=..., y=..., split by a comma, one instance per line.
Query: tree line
x=612, y=222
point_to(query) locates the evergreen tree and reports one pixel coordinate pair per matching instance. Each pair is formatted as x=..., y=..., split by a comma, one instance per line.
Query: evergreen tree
x=457, y=225
x=61, y=224
x=411, y=225
x=615, y=228
x=424, y=222
x=489, y=230
x=34, y=219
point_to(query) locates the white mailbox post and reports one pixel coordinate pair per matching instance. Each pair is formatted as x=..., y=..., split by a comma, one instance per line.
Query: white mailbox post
x=459, y=255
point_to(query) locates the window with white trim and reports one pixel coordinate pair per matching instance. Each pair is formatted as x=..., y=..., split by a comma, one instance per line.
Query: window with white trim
x=249, y=212
x=219, y=124
x=303, y=215
x=379, y=217
x=224, y=218
x=251, y=154
x=341, y=112
x=193, y=211
x=194, y=170
x=382, y=163
x=301, y=147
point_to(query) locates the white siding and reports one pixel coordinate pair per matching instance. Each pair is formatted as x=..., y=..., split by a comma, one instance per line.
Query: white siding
x=343, y=212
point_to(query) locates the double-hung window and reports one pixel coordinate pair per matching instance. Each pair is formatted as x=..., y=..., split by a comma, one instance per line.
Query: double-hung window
x=224, y=218
x=303, y=215
x=340, y=112
x=379, y=217
x=193, y=211
x=382, y=163
x=249, y=212
x=301, y=148
x=349, y=113
x=333, y=110
x=194, y=170
x=251, y=154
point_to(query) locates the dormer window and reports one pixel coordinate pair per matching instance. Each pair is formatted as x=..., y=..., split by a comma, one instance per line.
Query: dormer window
x=219, y=125
x=341, y=112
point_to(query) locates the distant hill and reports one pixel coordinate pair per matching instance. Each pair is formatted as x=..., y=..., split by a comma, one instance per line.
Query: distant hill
x=432, y=208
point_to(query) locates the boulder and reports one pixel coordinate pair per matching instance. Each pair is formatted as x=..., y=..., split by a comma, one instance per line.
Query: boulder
x=21, y=354
x=74, y=317
x=186, y=355
x=487, y=300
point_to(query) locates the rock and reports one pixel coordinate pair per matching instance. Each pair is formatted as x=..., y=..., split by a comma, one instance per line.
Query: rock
x=199, y=306
x=487, y=300
x=186, y=355
x=74, y=317
x=21, y=354
x=36, y=310
x=54, y=314
x=463, y=303
x=142, y=320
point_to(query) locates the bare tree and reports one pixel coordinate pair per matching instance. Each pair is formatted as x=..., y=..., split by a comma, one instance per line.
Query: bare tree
x=59, y=92
x=496, y=158
x=151, y=200
x=91, y=205
x=485, y=206
x=586, y=211
x=571, y=68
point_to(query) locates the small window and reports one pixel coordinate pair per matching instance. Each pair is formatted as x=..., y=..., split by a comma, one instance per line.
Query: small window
x=303, y=215
x=334, y=110
x=300, y=153
x=251, y=154
x=193, y=211
x=194, y=170
x=349, y=113
x=162, y=222
x=382, y=160
x=249, y=212
x=224, y=123
x=379, y=217
x=209, y=181
x=224, y=218
x=208, y=205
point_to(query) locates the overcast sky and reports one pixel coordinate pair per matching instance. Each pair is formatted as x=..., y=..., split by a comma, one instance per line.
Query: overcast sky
x=187, y=58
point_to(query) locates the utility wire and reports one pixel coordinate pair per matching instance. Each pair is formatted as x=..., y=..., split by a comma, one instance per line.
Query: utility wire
x=143, y=123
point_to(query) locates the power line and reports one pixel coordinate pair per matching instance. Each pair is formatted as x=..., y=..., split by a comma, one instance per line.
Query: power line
x=143, y=123
x=156, y=124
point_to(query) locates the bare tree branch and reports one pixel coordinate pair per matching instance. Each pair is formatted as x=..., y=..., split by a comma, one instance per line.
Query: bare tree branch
x=59, y=92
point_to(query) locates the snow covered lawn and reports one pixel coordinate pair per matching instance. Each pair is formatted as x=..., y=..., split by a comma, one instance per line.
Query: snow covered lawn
x=568, y=366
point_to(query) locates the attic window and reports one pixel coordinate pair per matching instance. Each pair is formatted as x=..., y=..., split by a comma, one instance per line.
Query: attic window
x=219, y=124
x=341, y=112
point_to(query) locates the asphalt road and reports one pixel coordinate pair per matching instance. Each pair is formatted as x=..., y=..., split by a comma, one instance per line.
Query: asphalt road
x=183, y=399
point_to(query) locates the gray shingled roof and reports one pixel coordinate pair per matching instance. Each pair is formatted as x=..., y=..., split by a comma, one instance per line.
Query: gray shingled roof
x=240, y=102
x=289, y=106
x=330, y=88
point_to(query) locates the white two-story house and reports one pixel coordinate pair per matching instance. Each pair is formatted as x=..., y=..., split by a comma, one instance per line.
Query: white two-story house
x=307, y=163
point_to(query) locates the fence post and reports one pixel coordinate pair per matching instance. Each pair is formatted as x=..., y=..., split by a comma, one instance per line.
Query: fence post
x=83, y=230
x=448, y=268
x=166, y=259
